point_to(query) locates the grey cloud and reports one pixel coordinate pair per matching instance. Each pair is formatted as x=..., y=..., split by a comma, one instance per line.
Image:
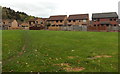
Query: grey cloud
x=40, y=9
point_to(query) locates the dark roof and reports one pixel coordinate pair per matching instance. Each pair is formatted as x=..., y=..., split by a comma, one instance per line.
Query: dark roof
x=7, y=20
x=105, y=15
x=34, y=19
x=78, y=17
x=24, y=23
x=44, y=19
x=58, y=17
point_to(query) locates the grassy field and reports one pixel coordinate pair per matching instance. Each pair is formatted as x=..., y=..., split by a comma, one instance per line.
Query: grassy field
x=59, y=51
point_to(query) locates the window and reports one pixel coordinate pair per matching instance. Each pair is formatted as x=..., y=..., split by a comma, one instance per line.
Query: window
x=114, y=19
x=110, y=19
x=94, y=20
x=84, y=20
x=107, y=24
x=41, y=22
x=69, y=20
x=115, y=25
x=36, y=21
x=3, y=22
x=57, y=21
x=102, y=24
x=73, y=20
x=23, y=26
x=98, y=19
x=60, y=20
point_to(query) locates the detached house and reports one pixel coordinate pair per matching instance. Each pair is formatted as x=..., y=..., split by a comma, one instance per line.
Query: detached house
x=36, y=24
x=78, y=19
x=105, y=21
x=9, y=24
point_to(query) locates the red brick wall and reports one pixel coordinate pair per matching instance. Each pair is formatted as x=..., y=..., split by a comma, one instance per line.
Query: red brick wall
x=97, y=28
x=106, y=20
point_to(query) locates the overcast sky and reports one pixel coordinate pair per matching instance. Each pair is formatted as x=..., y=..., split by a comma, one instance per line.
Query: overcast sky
x=45, y=8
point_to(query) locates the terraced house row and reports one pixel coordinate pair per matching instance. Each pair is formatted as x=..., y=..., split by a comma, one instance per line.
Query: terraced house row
x=78, y=22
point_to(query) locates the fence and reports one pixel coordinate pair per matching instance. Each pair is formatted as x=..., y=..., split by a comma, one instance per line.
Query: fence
x=69, y=28
x=103, y=28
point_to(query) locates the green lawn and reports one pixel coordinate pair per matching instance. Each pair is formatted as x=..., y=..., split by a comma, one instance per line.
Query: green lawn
x=59, y=51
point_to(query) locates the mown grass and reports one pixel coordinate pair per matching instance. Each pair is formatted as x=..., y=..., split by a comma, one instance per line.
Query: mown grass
x=40, y=51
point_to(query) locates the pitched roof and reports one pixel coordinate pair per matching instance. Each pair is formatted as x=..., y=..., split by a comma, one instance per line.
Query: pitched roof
x=78, y=17
x=105, y=15
x=44, y=19
x=34, y=19
x=7, y=20
x=24, y=24
x=58, y=17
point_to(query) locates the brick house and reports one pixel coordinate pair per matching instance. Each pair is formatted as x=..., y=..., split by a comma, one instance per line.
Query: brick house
x=119, y=22
x=45, y=22
x=105, y=21
x=25, y=26
x=56, y=21
x=9, y=24
x=78, y=19
x=36, y=24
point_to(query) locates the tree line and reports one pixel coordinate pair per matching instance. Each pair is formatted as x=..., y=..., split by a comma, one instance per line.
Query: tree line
x=8, y=13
